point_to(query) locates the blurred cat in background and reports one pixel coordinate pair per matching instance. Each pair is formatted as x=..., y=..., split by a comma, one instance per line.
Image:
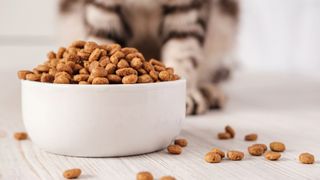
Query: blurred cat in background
x=195, y=37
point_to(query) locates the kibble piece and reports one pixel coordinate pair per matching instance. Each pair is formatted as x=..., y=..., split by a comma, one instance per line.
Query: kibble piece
x=122, y=64
x=277, y=146
x=230, y=130
x=256, y=150
x=23, y=73
x=141, y=71
x=33, y=77
x=224, y=135
x=154, y=75
x=136, y=63
x=94, y=56
x=156, y=62
x=45, y=77
x=60, y=52
x=20, y=136
x=160, y=68
x=104, y=60
x=181, y=142
x=64, y=74
x=144, y=175
x=174, y=149
x=78, y=44
x=83, y=71
x=113, y=78
x=92, y=65
x=170, y=70
x=306, y=158
x=84, y=82
x=99, y=72
x=113, y=48
x=72, y=57
x=51, y=55
x=128, y=50
x=61, y=80
x=167, y=178
x=72, y=173
x=147, y=66
x=265, y=148
x=64, y=67
x=212, y=157
x=164, y=75
x=100, y=80
x=89, y=47
x=272, y=156
x=235, y=155
x=218, y=151
x=116, y=57
x=42, y=68
x=83, y=55
x=251, y=137
x=146, y=78
x=81, y=77
x=130, y=79
x=111, y=68
x=126, y=71
x=130, y=56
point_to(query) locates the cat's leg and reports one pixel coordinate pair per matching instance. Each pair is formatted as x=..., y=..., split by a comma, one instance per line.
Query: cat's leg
x=105, y=22
x=183, y=31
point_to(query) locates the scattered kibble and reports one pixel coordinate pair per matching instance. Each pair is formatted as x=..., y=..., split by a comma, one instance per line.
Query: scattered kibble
x=98, y=64
x=174, y=149
x=167, y=178
x=251, y=137
x=256, y=150
x=277, y=146
x=306, y=158
x=181, y=142
x=221, y=153
x=230, y=130
x=212, y=157
x=235, y=155
x=144, y=175
x=20, y=136
x=72, y=173
x=272, y=156
x=224, y=135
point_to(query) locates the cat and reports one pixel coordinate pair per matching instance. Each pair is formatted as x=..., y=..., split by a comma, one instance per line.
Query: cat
x=195, y=37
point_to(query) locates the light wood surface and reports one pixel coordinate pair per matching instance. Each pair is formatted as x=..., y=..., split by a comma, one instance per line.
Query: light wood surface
x=280, y=107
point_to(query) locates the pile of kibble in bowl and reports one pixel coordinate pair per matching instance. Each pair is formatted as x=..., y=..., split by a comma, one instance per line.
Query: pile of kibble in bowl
x=90, y=63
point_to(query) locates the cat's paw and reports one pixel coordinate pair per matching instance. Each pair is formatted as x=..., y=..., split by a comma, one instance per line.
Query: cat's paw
x=196, y=103
x=215, y=98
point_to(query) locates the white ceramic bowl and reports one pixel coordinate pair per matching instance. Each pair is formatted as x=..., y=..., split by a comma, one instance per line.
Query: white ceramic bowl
x=103, y=120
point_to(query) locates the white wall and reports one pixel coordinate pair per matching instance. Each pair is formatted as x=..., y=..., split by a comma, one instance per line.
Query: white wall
x=281, y=35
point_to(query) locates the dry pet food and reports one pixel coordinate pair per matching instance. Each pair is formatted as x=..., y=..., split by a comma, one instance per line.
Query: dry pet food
x=181, y=142
x=144, y=175
x=89, y=63
x=224, y=135
x=306, y=158
x=256, y=150
x=277, y=146
x=212, y=157
x=230, y=130
x=251, y=137
x=20, y=136
x=174, y=149
x=72, y=173
x=235, y=155
x=272, y=156
x=167, y=178
x=221, y=153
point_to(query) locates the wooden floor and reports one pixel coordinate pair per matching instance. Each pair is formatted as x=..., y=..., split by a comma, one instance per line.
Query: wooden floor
x=282, y=107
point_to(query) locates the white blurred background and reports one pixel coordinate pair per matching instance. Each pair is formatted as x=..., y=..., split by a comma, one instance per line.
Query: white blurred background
x=275, y=36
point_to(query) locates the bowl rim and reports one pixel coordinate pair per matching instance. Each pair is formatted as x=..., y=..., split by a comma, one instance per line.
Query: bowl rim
x=107, y=86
